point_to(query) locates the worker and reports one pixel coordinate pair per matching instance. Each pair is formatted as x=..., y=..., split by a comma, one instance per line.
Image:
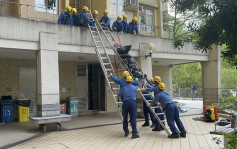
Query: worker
x=146, y=110
x=129, y=93
x=125, y=24
x=132, y=27
x=171, y=111
x=105, y=20
x=66, y=17
x=94, y=15
x=83, y=19
x=118, y=24
x=74, y=17
x=154, y=89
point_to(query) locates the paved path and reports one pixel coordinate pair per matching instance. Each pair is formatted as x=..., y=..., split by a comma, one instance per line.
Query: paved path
x=113, y=137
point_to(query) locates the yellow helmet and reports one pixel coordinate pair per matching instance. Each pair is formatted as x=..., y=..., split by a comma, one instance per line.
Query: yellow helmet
x=74, y=10
x=152, y=80
x=69, y=8
x=157, y=79
x=129, y=79
x=161, y=86
x=119, y=17
x=106, y=11
x=85, y=8
x=95, y=12
x=125, y=16
x=135, y=19
x=126, y=74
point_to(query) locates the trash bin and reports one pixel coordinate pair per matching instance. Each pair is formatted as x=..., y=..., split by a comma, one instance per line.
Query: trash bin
x=6, y=109
x=63, y=106
x=23, y=109
x=72, y=106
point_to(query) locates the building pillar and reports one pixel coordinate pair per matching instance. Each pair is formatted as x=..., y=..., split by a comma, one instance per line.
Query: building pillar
x=48, y=76
x=211, y=76
x=165, y=72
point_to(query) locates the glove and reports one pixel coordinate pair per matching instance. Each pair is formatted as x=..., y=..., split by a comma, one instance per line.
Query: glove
x=111, y=74
x=136, y=79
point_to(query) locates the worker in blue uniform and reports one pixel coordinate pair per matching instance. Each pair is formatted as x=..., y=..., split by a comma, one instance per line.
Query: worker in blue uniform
x=83, y=19
x=125, y=24
x=132, y=27
x=74, y=17
x=146, y=110
x=66, y=17
x=154, y=89
x=94, y=15
x=129, y=93
x=171, y=111
x=118, y=24
x=105, y=20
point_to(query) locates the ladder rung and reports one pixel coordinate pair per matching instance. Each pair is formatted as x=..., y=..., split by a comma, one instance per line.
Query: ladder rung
x=92, y=27
x=149, y=100
x=146, y=94
x=111, y=82
x=96, y=36
x=109, y=69
x=159, y=113
x=98, y=41
x=99, y=46
x=163, y=120
x=155, y=107
x=94, y=31
x=106, y=63
x=104, y=57
x=116, y=88
x=119, y=102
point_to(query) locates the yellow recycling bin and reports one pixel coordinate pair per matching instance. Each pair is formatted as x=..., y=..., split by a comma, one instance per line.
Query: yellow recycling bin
x=23, y=109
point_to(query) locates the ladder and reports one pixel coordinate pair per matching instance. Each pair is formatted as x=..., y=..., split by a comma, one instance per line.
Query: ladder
x=105, y=62
x=111, y=39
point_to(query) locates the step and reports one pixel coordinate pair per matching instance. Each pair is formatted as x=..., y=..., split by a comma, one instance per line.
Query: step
x=160, y=114
x=146, y=94
x=96, y=36
x=106, y=63
x=119, y=102
x=104, y=58
x=92, y=27
x=116, y=88
x=155, y=107
x=149, y=101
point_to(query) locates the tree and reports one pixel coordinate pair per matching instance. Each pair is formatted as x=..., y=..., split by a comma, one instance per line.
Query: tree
x=218, y=26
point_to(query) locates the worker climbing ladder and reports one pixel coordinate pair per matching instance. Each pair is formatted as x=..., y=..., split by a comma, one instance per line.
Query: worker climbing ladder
x=103, y=55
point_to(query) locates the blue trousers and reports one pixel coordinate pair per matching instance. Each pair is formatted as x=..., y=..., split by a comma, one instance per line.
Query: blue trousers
x=172, y=115
x=147, y=112
x=130, y=106
x=162, y=117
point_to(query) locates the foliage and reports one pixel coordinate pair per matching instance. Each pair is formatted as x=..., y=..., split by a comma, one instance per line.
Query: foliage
x=218, y=24
x=226, y=103
x=231, y=140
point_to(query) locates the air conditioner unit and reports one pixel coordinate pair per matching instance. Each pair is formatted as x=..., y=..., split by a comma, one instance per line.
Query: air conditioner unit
x=133, y=2
x=141, y=8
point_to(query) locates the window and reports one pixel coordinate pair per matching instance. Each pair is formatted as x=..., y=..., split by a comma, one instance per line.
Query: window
x=133, y=2
x=116, y=9
x=147, y=21
x=47, y=6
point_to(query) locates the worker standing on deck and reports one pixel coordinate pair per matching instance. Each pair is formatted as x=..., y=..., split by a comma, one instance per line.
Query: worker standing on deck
x=105, y=20
x=154, y=89
x=125, y=24
x=171, y=111
x=129, y=93
x=66, y=17
x=83, y=19
x=118, y=25
x=146, y=110
x=74, y=17
x=132, y=27
x=94, y=15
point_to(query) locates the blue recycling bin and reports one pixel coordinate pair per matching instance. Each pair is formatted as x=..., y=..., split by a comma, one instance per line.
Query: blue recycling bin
x=6, y=109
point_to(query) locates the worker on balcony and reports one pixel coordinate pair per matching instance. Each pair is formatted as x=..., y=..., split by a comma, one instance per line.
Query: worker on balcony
x=74, y=17
x=83, y=17
x=146, y=110
x=129, y=93
x=171, y=111
x=118, y=25
x=105, y=20
x=125, y=24
x=154, y=89
x=132, y=27
x=94, y=15
x=66, y=17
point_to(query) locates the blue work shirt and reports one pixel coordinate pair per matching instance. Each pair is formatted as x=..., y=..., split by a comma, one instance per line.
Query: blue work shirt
x=65, y=19
x=154, y=89
x=106, y=21
x=85, y=20
x=149, y=82
x=129, y=92
x=118, y=25
x=163, y=98
x=122, y=82
x=75, y=20
x=133, y=27
x=125, y=26
x=92, y=24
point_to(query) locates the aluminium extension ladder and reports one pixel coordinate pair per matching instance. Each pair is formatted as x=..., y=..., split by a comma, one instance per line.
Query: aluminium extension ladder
x=111, y=39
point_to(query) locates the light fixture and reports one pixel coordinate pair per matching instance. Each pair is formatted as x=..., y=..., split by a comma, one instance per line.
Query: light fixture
x=150, y=48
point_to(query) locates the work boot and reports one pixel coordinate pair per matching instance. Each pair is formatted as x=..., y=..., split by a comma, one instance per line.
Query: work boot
x=152, y=125
x=183, y=135
x=126, y=134
x=135, y=135
x=145, y=124
x=173, y=135
x=156, y=129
